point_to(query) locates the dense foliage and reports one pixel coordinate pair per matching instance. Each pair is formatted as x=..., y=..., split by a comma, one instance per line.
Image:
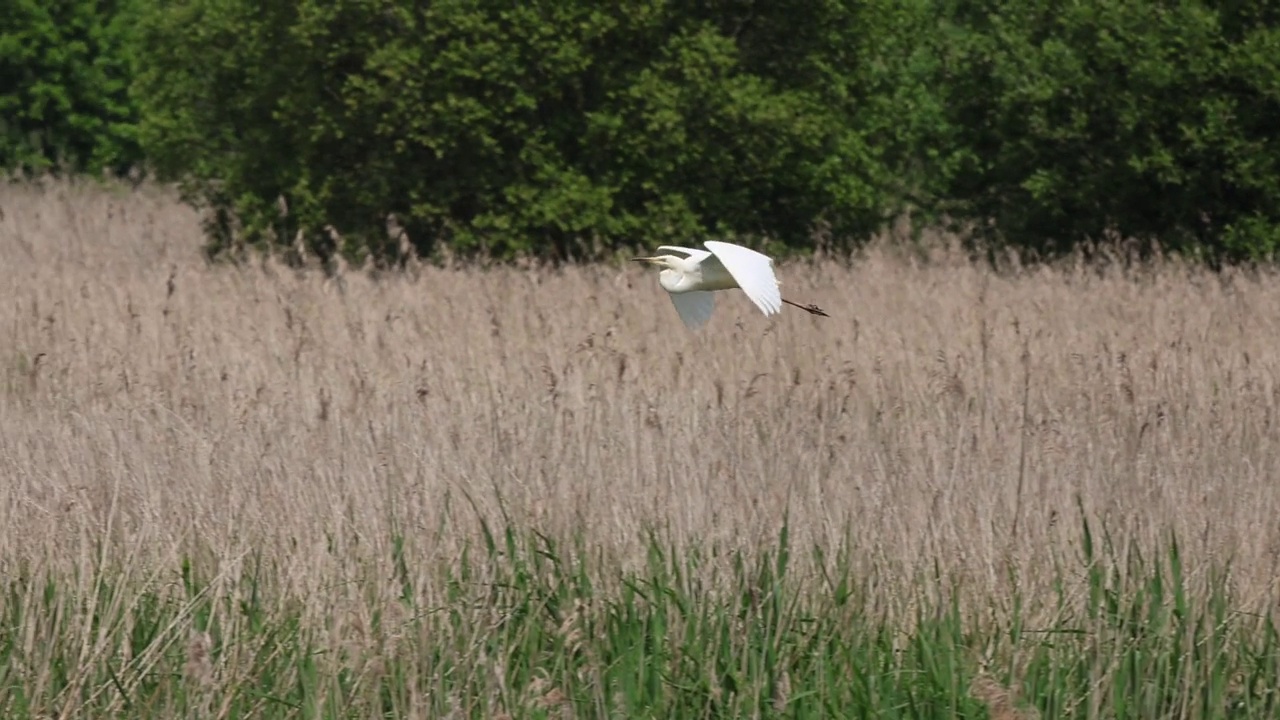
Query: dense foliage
x=65, y=70
x=1152, y=121
x=566, y=129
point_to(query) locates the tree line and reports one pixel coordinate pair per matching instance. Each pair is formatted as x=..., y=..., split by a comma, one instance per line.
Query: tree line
x=572, y=129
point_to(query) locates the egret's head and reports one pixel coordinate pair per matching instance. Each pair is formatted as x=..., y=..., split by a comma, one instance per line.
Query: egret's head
x=663, y=261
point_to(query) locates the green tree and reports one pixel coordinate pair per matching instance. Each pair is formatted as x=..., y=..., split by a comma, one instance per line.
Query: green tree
x=558, y=128
x=1109, y=119
x=65, y=69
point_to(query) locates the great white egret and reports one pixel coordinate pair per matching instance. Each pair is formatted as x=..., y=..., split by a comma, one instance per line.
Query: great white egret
x=691, y=276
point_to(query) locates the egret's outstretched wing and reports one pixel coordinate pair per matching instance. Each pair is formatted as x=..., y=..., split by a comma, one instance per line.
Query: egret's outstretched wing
x=753, y=272
x=694, y=307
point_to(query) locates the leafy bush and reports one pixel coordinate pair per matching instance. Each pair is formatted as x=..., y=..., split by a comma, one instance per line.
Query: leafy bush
x=65, y=103
x=1106, y=119
x=572, y=129
x=507, y=128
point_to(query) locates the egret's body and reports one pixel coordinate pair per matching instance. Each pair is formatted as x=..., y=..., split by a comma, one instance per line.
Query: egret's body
x=692, y=275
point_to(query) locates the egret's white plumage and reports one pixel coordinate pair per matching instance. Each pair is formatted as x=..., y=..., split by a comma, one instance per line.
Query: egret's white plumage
x=690, y=276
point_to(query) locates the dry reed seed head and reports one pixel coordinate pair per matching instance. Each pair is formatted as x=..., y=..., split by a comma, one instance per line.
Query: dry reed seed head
x=199, y=667
x=553, y=698
x=538, y=684
x=1001, y=701
x=570, y=629
x=782, y=692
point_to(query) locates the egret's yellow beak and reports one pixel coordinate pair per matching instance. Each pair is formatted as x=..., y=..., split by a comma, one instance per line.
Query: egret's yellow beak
x=646, y=260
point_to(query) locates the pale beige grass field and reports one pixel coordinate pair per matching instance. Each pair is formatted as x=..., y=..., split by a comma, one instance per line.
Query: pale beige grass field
x=152, y=405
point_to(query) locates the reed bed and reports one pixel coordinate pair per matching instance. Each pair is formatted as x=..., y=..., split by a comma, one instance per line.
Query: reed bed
x=264, y=491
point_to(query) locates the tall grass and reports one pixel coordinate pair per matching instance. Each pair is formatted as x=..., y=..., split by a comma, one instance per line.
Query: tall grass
x=260, y=492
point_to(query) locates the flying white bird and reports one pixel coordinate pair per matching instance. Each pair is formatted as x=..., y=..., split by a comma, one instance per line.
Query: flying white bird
x=693, y=275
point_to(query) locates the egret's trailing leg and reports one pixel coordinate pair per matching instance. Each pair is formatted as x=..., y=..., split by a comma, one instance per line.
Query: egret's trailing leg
x=810, y=308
